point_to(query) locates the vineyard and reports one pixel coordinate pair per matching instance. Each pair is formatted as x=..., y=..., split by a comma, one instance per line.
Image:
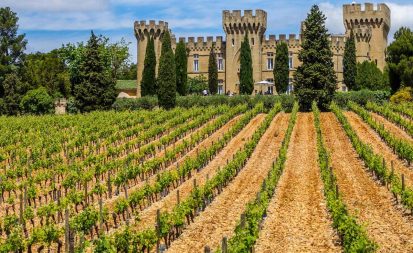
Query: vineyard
x=240, y=178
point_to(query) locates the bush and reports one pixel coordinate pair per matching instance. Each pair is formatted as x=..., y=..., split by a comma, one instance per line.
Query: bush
x=361, y=97
x=403, y=95
x=37, y=101
x=191, y=101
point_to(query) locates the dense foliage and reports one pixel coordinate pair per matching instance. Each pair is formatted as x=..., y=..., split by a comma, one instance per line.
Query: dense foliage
x=197, y=84
x=246, y=82
x=370, y=77
x=148, y=83
x=350, y=63
x=37, y=101
x=212, y=72
x=400, y=59
x=361, y=97
x=281, y=68
x=181, y=61
x=166, y=75
x=315, y=79
x=95, y=89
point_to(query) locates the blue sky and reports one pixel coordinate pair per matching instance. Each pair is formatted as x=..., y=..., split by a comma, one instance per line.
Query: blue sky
x=50, y=23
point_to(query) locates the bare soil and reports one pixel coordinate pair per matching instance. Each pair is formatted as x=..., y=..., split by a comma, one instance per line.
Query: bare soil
x=369, y=136
x=366, y=199
x=393, y=128
x=221, y=217
x=148, y=215
x=297, y=218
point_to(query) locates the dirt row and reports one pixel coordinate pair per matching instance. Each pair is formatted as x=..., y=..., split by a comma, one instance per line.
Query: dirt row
x=297, y=218
x=148, y=215
x=371, y=203
x=369, y=136
x=391, y=127
x=220, y=218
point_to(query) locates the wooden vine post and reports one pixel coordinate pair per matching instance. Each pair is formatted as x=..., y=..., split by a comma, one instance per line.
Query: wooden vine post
x=224, y=245
x=158, y=229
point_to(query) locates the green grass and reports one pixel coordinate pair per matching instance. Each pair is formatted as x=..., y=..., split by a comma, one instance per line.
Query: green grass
x=126, y=84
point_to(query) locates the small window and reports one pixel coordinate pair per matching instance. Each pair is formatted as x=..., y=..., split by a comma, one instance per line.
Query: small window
x=270, y=61
x=252, y=41
x=220, y=62
x=290, y=60
x=196, y=62
x=233, y=42
x=220, y=87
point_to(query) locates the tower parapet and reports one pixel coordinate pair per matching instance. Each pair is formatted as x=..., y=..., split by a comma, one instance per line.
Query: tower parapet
x=235, y=22
x=370, y=25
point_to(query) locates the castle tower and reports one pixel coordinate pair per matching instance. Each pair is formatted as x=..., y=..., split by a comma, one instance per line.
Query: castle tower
x=370, y=26
x=235, y=27
x=143, y=32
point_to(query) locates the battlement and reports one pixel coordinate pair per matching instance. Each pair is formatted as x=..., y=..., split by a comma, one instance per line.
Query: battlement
x=293, y=40
x=356, y=15
x=201, y=43
x=144, y=28
x=338, y=42
x=234, y=20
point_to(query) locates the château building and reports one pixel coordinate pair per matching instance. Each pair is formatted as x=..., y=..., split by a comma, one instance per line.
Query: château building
x=369, y=23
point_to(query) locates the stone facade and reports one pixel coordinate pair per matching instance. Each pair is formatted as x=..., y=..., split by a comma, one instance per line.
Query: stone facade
x=370, y=24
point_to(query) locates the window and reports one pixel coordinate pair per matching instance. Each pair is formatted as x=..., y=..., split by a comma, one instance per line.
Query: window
x=290, y=87
x=196, y=62
x=220, y=87
x=220, y=62
x=270, y=61
x=233, y=42
x=270, y=88
x=252, y=41
x=290, y=60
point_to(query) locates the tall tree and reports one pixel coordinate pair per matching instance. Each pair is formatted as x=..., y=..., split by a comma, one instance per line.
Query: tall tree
x=400, y=59
x=246, y=85
x=212, y=72
x=281, y=68
x=149, y=70
x=12, y=45
x=315, y=79
x=181, y=61
x=350, y=62
x=96, y=89
x=166, y=74
x=14, y=89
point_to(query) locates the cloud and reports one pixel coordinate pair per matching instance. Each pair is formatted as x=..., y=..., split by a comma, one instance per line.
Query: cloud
x=334, y=16
x=55, y=5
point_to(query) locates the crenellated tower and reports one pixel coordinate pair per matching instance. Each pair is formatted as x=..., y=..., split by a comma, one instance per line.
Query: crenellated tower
x=235, y=27
x=144, y=31
x=370, y=25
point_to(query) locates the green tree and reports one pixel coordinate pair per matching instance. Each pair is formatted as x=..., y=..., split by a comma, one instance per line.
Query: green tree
x=350, y=63
x=197, y=84
x=148, y=83
x=48, y=70
x=370, y=77
x=400, y=59
x=12, y=45
x=14, y=90
x=181, y=61
x=37, y=101
x=281, y=68
x=315, y=79
x=213, y=72
x=166, y=75
x=119, y=56
x=96, y=89
x=246, y=85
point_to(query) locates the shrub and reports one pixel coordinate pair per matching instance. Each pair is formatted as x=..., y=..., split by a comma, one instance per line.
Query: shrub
x=403, y=95
x=37, y=101
x=360, y=97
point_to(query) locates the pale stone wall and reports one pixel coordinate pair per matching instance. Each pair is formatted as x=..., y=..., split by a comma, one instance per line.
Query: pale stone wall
x=369, y=23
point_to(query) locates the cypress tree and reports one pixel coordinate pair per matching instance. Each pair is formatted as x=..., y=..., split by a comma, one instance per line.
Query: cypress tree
x=166, y=75
x=212, y=73
x=246, y=85
x=181, y=61
x=350, y=63
x=281, y=68
x=148, y=83
x=315, y=79
x=96, y=89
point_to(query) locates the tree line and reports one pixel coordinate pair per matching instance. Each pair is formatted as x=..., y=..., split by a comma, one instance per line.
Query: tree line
x=85, y=73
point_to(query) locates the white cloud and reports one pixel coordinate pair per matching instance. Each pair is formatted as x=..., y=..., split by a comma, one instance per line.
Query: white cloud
x=55, y=5
x=334, y=16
